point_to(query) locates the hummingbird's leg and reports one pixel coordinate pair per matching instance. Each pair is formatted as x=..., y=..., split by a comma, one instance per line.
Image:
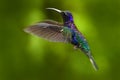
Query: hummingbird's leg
x=75, y=47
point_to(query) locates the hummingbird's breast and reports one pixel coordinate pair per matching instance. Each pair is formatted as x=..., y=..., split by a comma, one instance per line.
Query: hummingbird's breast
x=74, y=38
x=79, y=41
x=73, y=31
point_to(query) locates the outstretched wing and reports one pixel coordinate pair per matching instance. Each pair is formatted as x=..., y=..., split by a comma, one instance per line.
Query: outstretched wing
x=50, y=30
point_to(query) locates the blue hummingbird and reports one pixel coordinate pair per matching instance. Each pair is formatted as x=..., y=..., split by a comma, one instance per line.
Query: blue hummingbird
x=62, y=32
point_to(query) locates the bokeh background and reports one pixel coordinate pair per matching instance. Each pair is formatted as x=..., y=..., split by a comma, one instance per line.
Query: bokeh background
x=27, y=57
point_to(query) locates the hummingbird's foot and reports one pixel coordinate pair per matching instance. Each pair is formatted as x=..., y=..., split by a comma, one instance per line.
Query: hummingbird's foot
x=75, y=47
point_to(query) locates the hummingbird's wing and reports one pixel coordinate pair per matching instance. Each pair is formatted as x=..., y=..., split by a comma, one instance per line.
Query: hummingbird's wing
x=50, y=30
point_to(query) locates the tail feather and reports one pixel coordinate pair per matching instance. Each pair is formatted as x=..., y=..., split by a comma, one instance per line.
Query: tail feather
x=93, y=63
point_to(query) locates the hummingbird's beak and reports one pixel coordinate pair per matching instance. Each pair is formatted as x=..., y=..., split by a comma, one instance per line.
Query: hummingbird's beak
x=57, y=10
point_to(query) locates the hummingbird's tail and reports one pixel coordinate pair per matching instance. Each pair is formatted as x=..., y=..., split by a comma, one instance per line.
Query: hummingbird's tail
x=93, y=62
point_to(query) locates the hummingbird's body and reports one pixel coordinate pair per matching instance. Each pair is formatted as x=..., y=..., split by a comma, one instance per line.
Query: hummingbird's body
x=66, y=32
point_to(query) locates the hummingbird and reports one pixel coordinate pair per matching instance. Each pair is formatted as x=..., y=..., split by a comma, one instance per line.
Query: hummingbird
x=66, y=32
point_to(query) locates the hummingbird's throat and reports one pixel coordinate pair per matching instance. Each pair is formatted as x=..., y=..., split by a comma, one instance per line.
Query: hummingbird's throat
x=68, y=20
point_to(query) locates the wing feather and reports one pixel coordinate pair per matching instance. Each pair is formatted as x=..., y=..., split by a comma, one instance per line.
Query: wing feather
x=50, y=30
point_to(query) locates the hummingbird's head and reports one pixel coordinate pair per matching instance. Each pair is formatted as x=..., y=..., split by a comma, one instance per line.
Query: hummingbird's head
x=67, y=16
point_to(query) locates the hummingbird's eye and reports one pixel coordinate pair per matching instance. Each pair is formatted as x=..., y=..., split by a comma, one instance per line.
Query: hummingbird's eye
x=64, y=14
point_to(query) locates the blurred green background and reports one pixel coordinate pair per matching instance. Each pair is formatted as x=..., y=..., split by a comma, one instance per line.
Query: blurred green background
x=27, y=57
